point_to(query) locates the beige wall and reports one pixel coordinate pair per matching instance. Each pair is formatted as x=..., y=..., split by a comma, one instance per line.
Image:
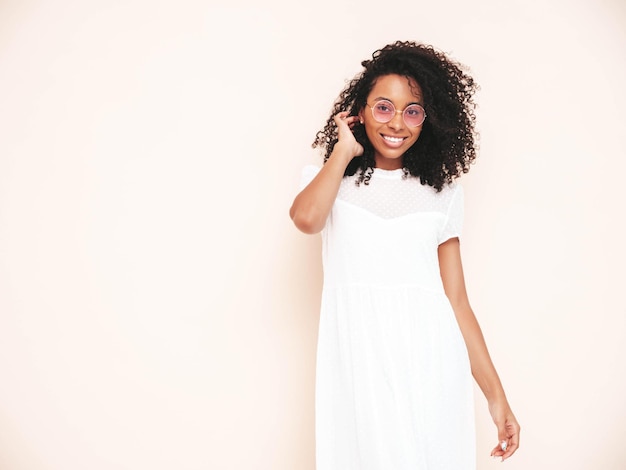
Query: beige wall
x=157, y=308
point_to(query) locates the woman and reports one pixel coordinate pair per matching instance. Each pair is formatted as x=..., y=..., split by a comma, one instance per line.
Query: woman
x=398, y=341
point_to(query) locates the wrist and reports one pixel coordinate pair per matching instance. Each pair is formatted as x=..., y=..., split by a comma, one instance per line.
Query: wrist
x=343, y=152
x=498, y=400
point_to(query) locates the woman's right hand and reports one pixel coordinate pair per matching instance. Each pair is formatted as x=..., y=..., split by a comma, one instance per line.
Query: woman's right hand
x=311, y=207
x=345, y=137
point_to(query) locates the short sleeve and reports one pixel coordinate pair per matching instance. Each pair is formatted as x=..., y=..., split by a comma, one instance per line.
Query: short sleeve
x=454, y=217
x=308, y=173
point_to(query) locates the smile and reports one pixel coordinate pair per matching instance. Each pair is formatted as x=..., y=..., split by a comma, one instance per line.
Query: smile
x=395, y=140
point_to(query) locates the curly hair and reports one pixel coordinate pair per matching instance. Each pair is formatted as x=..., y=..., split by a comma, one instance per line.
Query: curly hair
x=446, y=146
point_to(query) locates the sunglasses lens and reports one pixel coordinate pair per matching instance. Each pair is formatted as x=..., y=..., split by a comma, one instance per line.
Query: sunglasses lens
x=383, y=111
x=414, y=115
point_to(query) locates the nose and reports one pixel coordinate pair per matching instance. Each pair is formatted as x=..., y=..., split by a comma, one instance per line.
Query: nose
x=397, y=122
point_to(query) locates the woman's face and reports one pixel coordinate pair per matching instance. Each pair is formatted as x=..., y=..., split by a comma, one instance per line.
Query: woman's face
x=392, y=139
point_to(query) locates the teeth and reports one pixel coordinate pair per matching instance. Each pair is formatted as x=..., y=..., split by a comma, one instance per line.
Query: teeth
x=393, y=139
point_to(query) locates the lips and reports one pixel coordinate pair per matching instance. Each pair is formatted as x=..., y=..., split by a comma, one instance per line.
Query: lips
x=393, y=142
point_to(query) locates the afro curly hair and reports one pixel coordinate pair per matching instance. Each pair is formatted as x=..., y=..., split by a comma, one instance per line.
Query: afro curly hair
x=446, y=146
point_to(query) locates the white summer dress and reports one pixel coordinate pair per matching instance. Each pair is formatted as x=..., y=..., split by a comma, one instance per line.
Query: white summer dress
x=394, y=389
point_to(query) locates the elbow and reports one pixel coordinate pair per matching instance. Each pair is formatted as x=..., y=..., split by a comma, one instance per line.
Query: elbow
x=306, y=222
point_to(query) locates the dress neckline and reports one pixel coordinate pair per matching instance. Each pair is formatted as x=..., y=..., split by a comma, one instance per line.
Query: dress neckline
x=389, y=174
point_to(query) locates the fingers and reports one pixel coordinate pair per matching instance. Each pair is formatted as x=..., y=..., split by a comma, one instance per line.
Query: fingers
x=513, y=444
x=508, y=436
x=344, y=118
x=345, y=123
x=340, y=118
x=498, y=451
x=345, y=137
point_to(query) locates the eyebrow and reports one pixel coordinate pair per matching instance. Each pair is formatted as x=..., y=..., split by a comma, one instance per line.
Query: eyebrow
x=391, y=101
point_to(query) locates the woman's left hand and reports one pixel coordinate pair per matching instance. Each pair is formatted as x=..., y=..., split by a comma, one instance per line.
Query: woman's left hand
x=508, y=430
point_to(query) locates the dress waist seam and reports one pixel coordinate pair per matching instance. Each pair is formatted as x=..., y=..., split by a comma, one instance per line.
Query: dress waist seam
x=379, y=287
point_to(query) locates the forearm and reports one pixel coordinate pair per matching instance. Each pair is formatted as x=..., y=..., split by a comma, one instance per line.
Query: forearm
x=311, y=207
x=483, y=369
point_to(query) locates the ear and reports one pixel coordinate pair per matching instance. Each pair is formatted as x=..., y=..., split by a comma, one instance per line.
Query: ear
x=361, y=116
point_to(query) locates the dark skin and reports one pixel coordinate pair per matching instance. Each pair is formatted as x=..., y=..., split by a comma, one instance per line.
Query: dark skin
x=483, y=370
x=312, y=206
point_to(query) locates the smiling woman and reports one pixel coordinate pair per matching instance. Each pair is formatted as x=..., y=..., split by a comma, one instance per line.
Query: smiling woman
x=387, y=128
x=398, y=341
x=439, y=85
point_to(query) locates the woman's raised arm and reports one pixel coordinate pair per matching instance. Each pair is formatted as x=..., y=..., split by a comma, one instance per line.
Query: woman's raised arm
x=312, y=205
